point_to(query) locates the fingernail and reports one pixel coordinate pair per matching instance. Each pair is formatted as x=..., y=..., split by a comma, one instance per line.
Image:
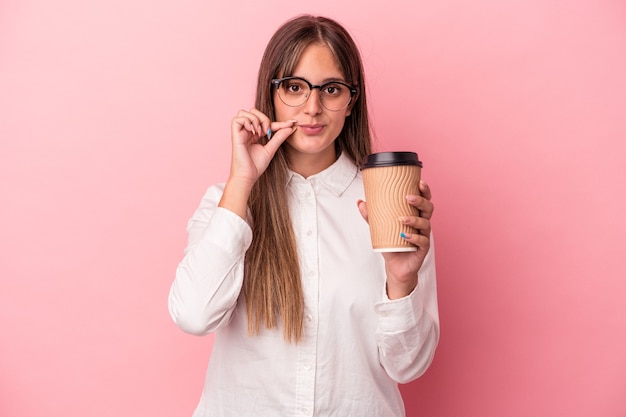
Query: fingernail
x=269, y=134
x=403, y=235
x=403, y=219
x=411, y=198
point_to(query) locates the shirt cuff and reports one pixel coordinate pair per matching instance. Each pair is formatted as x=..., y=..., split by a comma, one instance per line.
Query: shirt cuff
x=397, y=316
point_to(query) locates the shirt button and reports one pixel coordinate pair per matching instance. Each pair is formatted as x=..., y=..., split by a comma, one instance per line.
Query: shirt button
x=309, y=317
x=309, y=233
x=308, y=194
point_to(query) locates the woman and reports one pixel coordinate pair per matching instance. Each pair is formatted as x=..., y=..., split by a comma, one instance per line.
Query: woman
x=308, y=320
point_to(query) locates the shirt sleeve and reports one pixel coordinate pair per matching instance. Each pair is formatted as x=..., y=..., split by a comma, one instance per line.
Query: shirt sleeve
x=208, y=280
x=408, y=328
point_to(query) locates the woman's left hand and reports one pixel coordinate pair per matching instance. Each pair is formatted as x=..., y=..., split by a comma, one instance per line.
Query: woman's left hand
x=402, y=267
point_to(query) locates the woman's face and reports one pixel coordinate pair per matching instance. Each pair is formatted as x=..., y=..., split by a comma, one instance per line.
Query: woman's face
x=311, y=147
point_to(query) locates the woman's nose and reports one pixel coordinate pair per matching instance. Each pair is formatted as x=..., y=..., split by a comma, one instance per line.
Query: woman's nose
x=313, y=103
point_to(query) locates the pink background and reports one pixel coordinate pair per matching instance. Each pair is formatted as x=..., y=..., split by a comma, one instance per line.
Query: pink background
x=114, y=118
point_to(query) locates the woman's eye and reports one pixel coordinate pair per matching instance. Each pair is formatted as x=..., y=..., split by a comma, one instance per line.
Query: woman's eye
x=332, y=90
x=294, y=87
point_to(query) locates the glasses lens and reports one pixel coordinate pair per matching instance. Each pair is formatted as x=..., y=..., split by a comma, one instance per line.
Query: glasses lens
x=294, y=92
x=333, y=95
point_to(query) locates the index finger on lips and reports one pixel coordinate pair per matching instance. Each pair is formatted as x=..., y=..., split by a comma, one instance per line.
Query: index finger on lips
x=276, y=127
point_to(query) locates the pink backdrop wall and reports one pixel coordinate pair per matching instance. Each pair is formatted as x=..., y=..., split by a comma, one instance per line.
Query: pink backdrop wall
x=114, y=117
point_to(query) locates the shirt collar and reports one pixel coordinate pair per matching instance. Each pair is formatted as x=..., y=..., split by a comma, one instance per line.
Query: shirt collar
x=336, y=177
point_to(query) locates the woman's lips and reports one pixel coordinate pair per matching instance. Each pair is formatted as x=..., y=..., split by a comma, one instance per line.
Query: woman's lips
x=311, y=129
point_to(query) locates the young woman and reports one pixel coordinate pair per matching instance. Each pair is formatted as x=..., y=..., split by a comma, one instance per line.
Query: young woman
x=308, y=320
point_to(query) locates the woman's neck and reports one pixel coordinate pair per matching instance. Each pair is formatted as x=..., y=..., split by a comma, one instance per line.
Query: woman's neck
x=311, y=164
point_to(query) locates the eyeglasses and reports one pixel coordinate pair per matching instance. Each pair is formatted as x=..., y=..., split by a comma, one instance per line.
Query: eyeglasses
x=295, y=91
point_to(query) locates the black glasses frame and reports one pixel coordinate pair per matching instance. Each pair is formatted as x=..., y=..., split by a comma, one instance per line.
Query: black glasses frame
x=276, y=82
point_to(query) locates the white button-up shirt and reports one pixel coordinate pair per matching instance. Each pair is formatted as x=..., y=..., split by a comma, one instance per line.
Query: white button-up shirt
x=357, y=344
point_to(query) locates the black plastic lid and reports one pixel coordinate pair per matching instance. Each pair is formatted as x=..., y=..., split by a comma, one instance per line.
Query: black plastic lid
x=385, y=159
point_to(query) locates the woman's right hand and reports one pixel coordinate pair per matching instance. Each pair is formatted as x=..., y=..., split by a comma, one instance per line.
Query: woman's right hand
x=251, y=155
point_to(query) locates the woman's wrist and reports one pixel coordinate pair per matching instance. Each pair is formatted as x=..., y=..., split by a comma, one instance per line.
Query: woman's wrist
x=235, y=196
x=400, y=288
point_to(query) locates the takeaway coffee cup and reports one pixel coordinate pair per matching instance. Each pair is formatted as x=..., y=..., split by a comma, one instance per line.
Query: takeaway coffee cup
x=388, y=177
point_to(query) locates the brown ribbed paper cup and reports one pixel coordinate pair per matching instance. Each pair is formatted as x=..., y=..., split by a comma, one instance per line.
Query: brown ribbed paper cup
x=388, y=177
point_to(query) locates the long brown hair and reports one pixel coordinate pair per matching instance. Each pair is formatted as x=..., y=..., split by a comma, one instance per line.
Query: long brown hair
x=272, y=286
